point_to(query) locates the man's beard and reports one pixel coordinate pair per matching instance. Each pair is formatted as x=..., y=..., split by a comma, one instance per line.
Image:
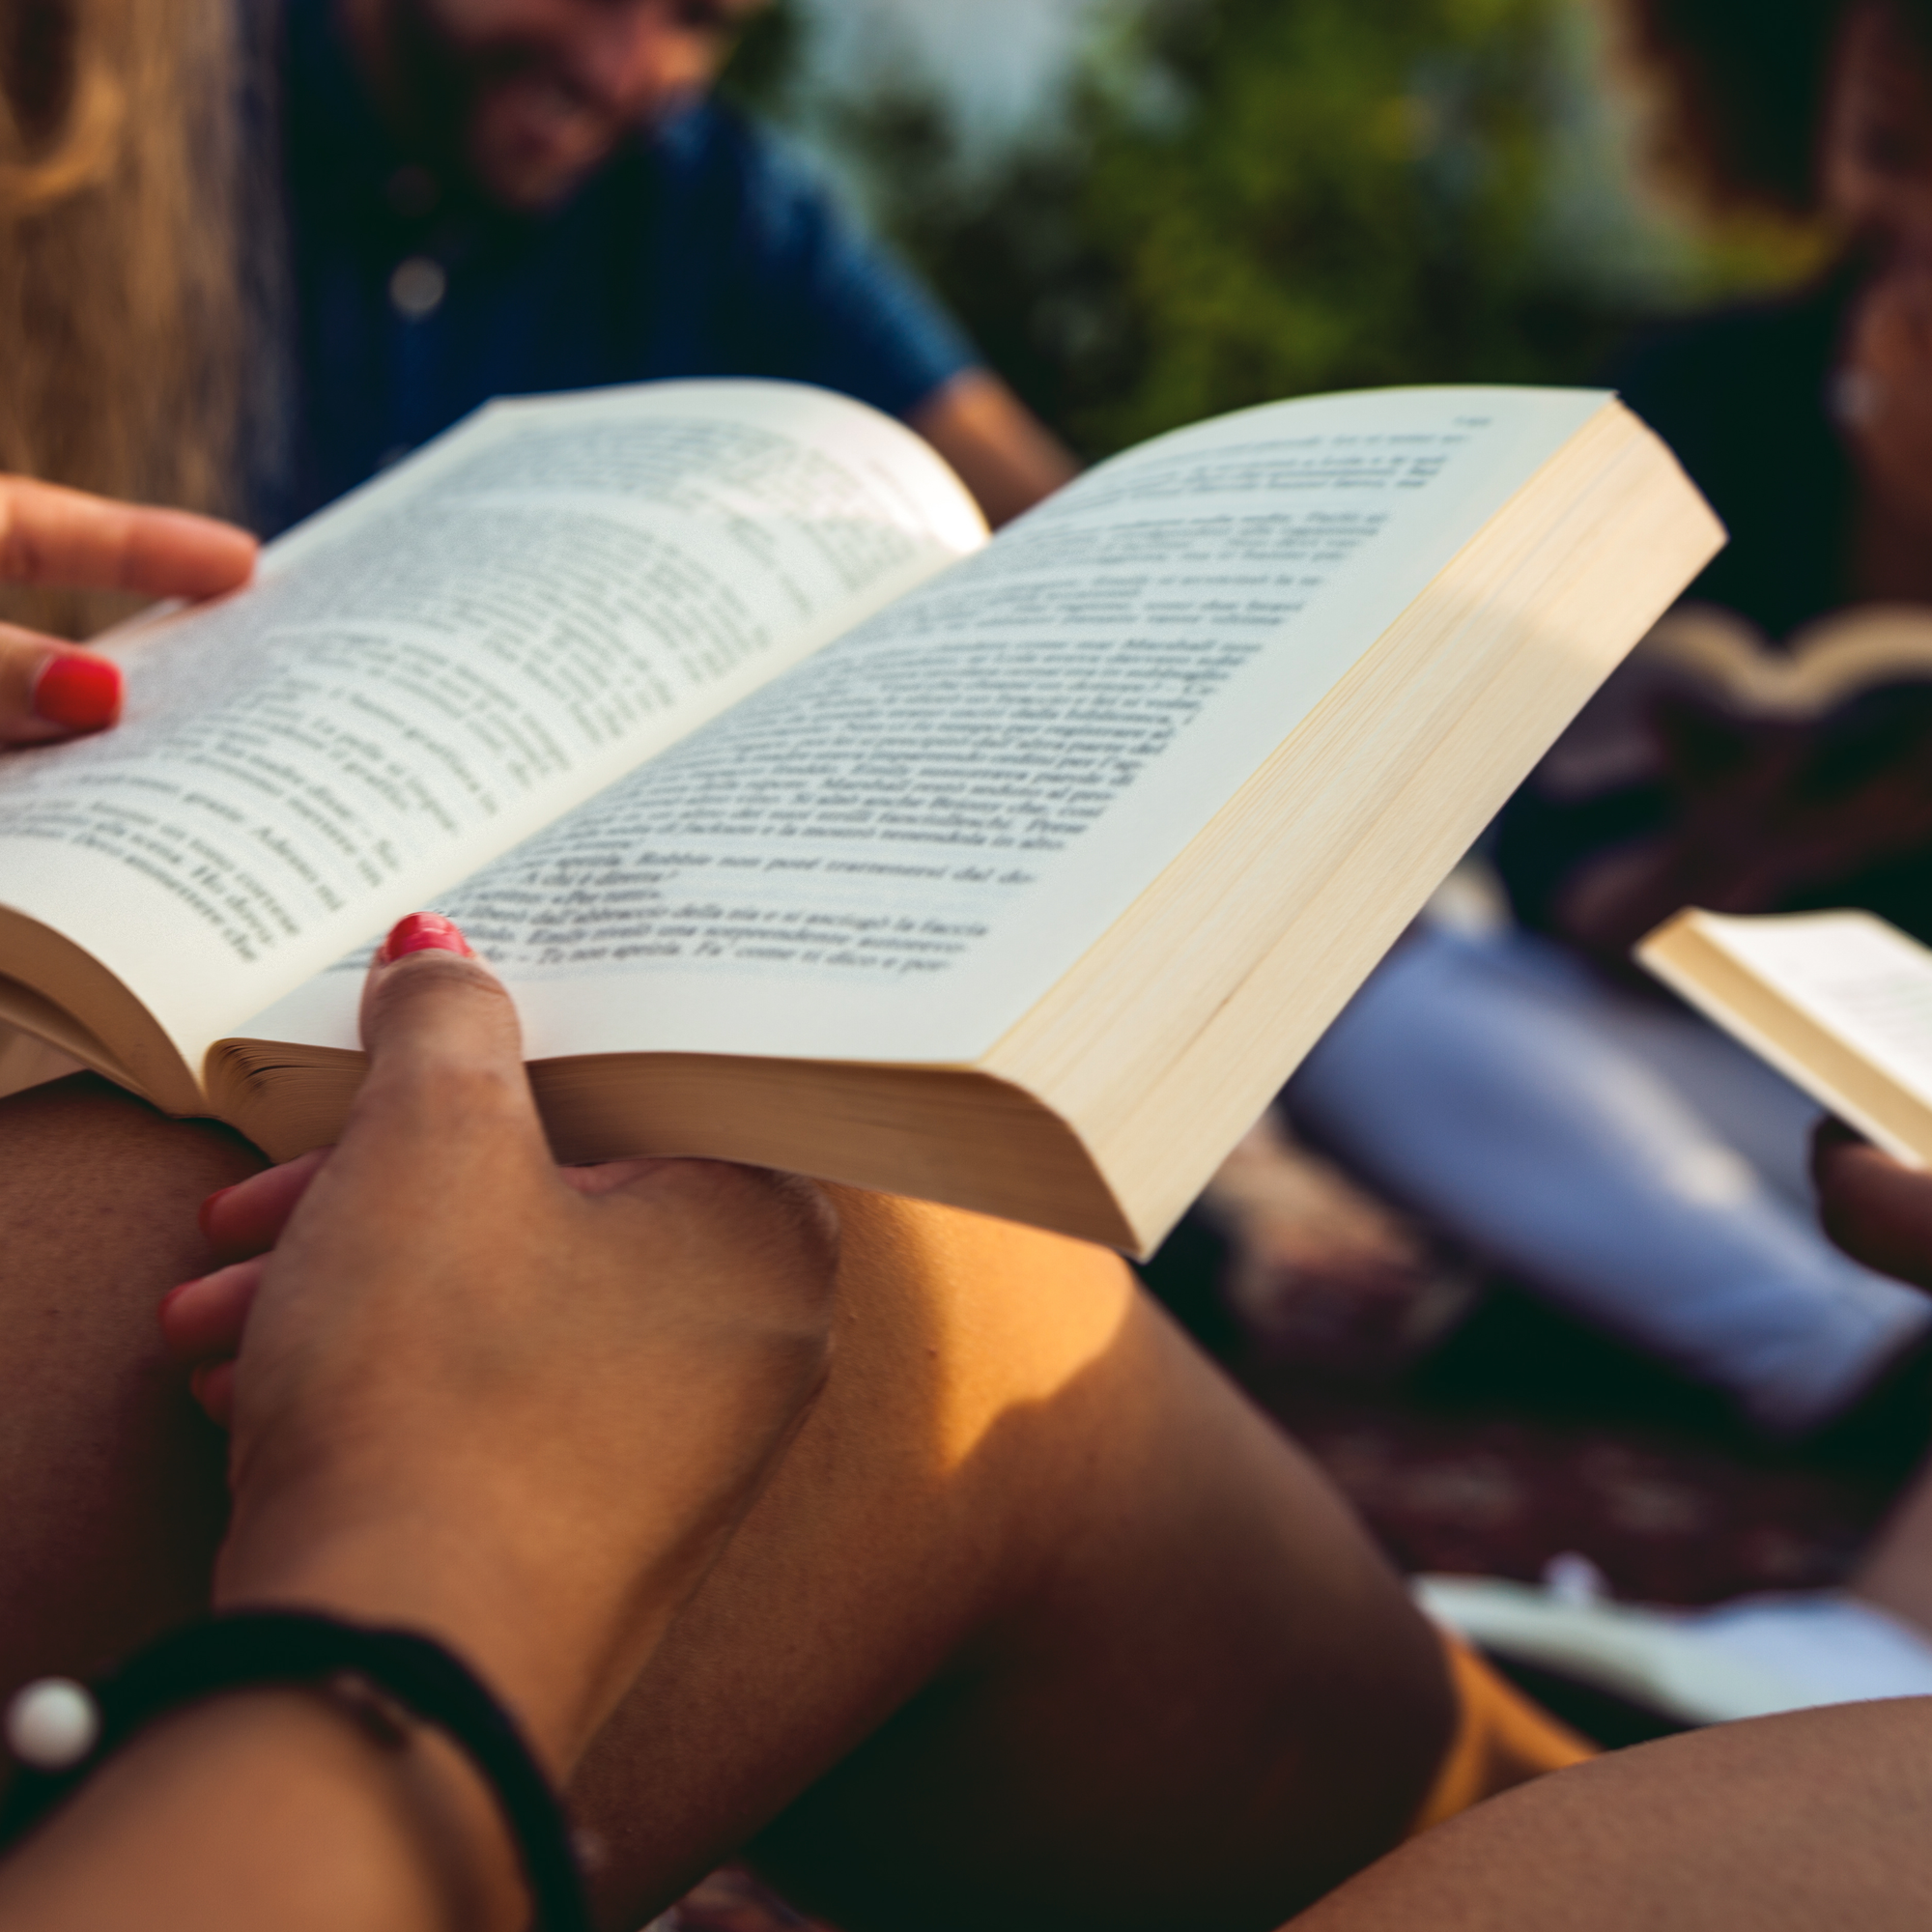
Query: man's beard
x=445, y=89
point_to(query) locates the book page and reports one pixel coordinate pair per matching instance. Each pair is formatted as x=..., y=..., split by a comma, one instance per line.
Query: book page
x=466, y=648
x=895, y=849
x=1857, y=976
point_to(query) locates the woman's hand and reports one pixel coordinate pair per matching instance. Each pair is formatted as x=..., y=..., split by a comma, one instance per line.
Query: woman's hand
x=519, y=1406
x=48, y=535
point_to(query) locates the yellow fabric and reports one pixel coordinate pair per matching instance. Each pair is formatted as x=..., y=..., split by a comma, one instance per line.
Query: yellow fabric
x=1501, y=1739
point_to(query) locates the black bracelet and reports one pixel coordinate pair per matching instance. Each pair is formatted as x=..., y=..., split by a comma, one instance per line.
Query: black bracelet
x=254, y=1648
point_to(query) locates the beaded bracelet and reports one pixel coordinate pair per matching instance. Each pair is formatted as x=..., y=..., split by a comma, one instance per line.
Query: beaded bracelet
x=59, y=1730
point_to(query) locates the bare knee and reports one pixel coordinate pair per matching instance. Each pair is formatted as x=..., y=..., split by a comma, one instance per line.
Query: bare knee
x=1199, y=1647
x=1057, y=1605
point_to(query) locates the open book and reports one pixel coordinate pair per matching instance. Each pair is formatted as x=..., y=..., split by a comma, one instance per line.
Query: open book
x=1708, y=687
x=1841, y=1002
x=1826, y=666
x=808, y=827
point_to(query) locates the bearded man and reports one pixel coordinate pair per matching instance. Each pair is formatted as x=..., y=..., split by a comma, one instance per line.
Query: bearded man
x=504, y=196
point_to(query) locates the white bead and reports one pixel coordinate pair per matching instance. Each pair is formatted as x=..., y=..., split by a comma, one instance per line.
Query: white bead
x=52, y=1724
x=417, y=287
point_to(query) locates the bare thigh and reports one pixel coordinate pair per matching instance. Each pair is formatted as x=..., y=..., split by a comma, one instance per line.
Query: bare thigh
x=1039, y=1625
x=1038, y=1622
x=111, y=1492
x=1793, y=1823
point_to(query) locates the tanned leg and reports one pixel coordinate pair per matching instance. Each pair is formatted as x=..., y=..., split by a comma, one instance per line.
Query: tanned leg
x=1088, y=1641
x=111, y=1493
x=1805, y=1823
x=1038, y=1625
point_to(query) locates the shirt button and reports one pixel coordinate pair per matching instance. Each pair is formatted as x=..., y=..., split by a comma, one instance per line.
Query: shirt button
x=417, y=287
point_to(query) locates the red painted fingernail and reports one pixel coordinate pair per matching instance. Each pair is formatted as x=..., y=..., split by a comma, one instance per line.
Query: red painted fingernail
x=77, y=691
x=422, y=932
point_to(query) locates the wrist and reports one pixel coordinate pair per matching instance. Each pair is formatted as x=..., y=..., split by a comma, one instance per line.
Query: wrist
x=534, y=1646
x=275, y=1803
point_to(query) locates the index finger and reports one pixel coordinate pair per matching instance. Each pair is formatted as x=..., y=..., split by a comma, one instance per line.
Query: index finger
x=249, y=1218
x=54, y=535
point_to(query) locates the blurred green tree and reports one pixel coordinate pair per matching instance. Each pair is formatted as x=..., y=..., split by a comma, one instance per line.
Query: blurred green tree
x=1321, y=194
x=767, y=66
x=1260, y=198
x=1246, y=199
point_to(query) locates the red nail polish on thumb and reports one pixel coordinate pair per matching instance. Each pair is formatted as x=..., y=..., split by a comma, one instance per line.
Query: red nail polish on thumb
x=82, y=692
x=422, y=932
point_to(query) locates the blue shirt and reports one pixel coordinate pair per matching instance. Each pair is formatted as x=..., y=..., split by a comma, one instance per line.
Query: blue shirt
x=700, y=250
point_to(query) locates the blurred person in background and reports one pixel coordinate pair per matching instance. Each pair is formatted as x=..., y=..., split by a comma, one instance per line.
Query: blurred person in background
x=490, y=197
x=1516, y=1086
x=379, y=214
x=126, y=331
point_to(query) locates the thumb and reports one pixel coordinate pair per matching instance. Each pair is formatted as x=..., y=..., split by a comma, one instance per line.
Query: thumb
x=445, y=1052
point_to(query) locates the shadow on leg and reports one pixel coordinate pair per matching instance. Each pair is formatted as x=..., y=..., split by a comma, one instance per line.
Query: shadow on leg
x=1037, y=1619
x=1038, y=1625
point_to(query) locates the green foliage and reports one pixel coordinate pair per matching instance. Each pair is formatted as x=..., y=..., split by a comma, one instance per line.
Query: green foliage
x=764, y=70
x=1317, y=194
x=1260, y=198
x=1246, y=199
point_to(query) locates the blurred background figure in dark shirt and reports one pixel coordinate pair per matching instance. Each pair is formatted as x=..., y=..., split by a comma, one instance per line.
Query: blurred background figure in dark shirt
x=1809, y=421
x=491, y=197
x=1515, y=1083
x=382, y=212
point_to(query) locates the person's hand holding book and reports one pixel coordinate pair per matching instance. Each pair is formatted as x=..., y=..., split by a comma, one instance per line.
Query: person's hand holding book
x=515, y=1405
x=491, y=1427
x=48, y=535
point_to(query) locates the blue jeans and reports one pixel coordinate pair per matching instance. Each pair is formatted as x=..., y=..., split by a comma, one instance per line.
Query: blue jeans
x=1619, y=1154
